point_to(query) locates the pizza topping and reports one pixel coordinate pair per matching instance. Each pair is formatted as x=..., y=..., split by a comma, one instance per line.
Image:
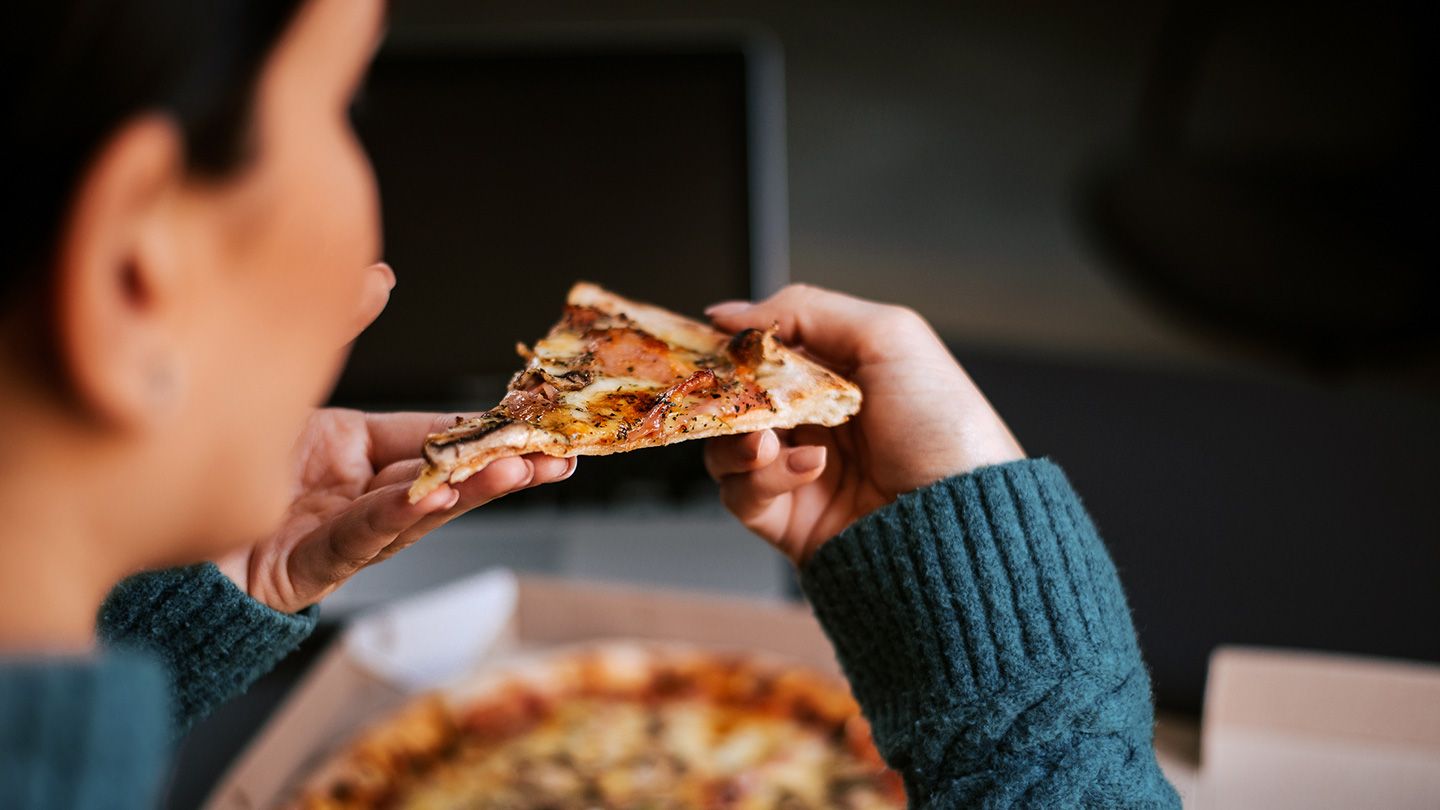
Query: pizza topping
x=636, y=354
x=654, y=420
x=747, y=348
x=537, y=377
x=626, y=728
x=526, y=406
x=444, y=448
x=579, y=319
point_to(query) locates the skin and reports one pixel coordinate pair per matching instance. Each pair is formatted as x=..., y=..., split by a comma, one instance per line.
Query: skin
x=353, y=472
x=196, y=323
x=923, y=420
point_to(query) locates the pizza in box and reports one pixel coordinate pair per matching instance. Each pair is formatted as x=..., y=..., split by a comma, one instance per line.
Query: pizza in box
x=618, y=725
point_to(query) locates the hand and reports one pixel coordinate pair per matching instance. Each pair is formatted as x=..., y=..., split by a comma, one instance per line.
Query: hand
x=351, y=507
x=922, y=420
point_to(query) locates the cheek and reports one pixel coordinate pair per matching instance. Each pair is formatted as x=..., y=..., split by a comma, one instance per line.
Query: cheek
x=326, y=234
x=282, y=314
x=322, y=231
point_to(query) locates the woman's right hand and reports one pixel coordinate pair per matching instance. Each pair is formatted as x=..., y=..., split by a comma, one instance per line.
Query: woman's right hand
x=922, y=420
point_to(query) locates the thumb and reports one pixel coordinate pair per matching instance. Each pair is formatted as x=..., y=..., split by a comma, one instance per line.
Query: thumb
x=837, y=328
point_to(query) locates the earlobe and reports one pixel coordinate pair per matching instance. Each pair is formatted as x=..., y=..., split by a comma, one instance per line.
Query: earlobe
x=113, y=300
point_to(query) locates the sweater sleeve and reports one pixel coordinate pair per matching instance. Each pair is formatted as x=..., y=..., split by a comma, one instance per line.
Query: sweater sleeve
x=82, y=732
x=984, y=631
x=213, y=639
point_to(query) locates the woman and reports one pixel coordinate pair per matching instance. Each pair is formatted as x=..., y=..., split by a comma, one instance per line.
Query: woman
x=184, y=278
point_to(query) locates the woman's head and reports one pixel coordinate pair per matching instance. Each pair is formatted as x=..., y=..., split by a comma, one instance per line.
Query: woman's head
x=191, y=258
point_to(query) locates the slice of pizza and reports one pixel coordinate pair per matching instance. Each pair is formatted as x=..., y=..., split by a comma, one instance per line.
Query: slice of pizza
x=615, y=375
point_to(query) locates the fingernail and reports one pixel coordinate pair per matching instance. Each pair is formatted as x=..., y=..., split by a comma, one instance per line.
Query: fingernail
x=752, y=452
x=452, y=500
x=805, y=459
x=726, y=309
x=768, y=441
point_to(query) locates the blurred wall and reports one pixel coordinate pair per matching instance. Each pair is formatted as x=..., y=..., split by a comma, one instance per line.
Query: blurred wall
x=934, y=156
x=934, y=150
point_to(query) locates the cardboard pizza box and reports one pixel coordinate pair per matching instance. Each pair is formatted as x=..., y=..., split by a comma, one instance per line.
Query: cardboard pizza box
x=1281, y=729
x=1316, y=730
x=420, y=643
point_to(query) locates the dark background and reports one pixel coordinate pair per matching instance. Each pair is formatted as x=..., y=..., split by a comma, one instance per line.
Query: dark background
x=1188, y=250
x=509, y=172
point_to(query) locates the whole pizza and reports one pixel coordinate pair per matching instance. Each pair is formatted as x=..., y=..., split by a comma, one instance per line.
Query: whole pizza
x=619, y=725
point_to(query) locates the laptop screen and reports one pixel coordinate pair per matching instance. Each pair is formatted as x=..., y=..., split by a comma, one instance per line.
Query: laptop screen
x=508, y=174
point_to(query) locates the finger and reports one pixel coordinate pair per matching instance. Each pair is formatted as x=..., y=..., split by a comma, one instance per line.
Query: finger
x=835, y=327
x=549, y=469
x=497, y=480
x=510, y=474
x=349, y=541
x=374, y=295
x=399, y=436
x=728, y=455
x=400, y=471
x=750, y=495
x=500, y=477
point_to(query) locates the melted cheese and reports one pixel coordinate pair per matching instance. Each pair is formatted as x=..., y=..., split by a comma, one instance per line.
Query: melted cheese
x=560, y=345
x=667, y=756
x=615, y=402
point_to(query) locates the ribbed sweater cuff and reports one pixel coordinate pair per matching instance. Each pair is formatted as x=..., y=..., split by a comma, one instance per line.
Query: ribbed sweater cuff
x=978, y=585
x=215, y=639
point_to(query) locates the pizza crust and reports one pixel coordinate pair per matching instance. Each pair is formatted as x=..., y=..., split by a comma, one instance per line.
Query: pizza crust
x=800, y=392
x=664, y=324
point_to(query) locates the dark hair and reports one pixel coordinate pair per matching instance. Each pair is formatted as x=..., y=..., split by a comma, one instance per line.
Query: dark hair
x=73, y=71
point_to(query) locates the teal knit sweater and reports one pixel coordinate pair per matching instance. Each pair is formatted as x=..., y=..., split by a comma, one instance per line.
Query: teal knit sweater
x=984, y=632
x=980, y=622
x=96, y=732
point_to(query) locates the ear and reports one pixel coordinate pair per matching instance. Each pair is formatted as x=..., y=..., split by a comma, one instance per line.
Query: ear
x=115, y=276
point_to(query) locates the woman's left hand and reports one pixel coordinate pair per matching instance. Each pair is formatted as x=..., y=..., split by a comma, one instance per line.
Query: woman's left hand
x=351, y=507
